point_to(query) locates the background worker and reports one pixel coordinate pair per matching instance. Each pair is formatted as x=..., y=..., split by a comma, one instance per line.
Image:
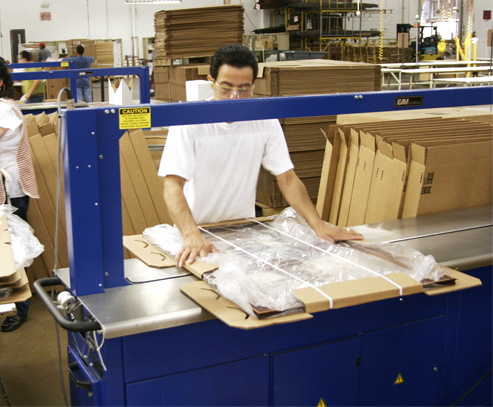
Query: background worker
x=33, y=91
x=83, y=83
x=43, y=53
x=211, y=170
x=17, y=179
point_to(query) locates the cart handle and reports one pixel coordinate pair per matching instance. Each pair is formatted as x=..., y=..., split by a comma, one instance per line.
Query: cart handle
x=57, y=314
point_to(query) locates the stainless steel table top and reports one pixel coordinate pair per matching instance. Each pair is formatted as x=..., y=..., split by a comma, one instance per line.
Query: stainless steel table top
x=460, y=239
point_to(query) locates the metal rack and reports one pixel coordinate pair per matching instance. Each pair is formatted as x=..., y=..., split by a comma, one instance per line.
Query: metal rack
x=141, y=71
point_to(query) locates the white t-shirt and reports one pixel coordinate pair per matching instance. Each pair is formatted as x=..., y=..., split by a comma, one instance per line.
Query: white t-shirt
x=9, y=145
x=221, y=163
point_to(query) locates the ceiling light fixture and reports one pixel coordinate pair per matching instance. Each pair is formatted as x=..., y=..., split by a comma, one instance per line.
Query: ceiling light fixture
x=151, y=1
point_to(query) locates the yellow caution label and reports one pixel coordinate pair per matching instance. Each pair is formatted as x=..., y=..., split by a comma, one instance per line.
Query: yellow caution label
x=135, y=118
x=321, y=403
x=399, y=379
x=64, y=63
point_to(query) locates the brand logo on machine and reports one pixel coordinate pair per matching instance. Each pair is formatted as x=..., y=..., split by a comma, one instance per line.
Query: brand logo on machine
x=85, y=73
x=409, y=101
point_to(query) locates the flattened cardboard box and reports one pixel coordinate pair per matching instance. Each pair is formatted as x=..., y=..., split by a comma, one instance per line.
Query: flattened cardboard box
x=448, y=177
x=343, y=294
x=9, y=276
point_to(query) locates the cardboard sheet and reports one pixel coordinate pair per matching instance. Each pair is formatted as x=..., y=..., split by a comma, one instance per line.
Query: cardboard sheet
x=7, y=265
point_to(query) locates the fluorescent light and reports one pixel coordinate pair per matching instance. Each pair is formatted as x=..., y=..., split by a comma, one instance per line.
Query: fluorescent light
x=151, y=1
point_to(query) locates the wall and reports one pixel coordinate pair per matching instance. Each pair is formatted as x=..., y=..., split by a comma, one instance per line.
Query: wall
x=481, y=27
x=97, y=19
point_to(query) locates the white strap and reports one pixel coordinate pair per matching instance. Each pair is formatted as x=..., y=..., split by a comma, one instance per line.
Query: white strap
x=401, y=293
x=331, y=301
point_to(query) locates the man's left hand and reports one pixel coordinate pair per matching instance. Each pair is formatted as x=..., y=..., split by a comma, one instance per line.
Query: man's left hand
x=334, y=233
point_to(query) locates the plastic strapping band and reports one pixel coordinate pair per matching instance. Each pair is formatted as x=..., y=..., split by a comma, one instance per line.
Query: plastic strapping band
x=401, y=293
x=331, y=301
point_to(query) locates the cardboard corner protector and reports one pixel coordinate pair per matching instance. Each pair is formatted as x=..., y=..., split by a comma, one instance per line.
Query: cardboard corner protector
x=229, y=312
x=154, y=257
x=462, y=282
x=356, y=292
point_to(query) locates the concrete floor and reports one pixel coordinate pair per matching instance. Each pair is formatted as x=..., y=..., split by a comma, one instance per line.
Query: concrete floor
x=29, y=373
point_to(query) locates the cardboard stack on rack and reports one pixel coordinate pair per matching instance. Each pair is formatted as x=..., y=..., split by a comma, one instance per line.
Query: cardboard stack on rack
x=11, y=278
x=305, y=136
x=196, y=32
x=142, y=193
x=102, y=52
x=316, y=76
x=381, y=171
x=89, y=47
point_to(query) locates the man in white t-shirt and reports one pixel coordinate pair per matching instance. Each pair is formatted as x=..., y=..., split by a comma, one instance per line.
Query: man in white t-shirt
x=211, y=170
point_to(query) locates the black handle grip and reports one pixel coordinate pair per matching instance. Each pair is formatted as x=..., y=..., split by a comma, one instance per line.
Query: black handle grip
x=83, y=384
x=57, y=314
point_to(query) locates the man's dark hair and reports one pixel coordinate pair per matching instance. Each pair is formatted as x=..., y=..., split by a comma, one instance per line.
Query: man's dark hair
x=234, y=55
x=26, y=55
x=7, y=81
x=80, y=49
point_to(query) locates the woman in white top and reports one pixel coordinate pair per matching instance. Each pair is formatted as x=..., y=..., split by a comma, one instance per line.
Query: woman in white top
x=17, y=179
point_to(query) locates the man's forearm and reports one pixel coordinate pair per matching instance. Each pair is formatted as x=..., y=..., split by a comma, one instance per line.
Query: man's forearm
x=178, y=208
x=297, y=196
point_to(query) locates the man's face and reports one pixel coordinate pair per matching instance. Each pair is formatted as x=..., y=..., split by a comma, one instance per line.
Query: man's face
x=233, y=83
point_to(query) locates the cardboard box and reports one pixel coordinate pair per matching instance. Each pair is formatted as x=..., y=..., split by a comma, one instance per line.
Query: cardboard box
x=362, y=180
x=387, y=185
x=445, y=177
x=198, y=90
x=120, y=92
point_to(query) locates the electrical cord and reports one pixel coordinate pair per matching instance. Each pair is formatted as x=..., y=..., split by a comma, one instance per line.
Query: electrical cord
x=472, y=388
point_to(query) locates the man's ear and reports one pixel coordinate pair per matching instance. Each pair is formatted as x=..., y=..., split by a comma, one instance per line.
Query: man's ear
x=211, y=80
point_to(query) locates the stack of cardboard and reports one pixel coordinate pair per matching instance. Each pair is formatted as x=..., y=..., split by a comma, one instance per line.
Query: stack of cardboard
x=306, y=141
x=381, y=171
x=89, y=47
x=104, y=55
x=316, y=76
x=142, y=193
x=170, y=81
x=196, y=32
x=366, y=53
x=103, y=52
x=10, y=278
x=54, y=86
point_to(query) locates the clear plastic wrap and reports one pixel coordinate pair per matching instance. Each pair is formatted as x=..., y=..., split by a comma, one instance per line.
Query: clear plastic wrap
x=25, y=246
x=261, y=264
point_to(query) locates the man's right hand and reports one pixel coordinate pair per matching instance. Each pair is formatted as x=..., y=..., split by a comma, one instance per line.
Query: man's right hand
x=194, y=245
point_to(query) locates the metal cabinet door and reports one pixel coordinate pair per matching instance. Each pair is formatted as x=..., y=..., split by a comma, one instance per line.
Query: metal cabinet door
x=401, y=365
x=327, y=371
x=85, y=385
x=242, y=383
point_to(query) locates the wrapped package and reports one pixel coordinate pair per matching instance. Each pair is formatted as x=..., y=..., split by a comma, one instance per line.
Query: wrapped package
x=25, y=246
x=261, y=264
